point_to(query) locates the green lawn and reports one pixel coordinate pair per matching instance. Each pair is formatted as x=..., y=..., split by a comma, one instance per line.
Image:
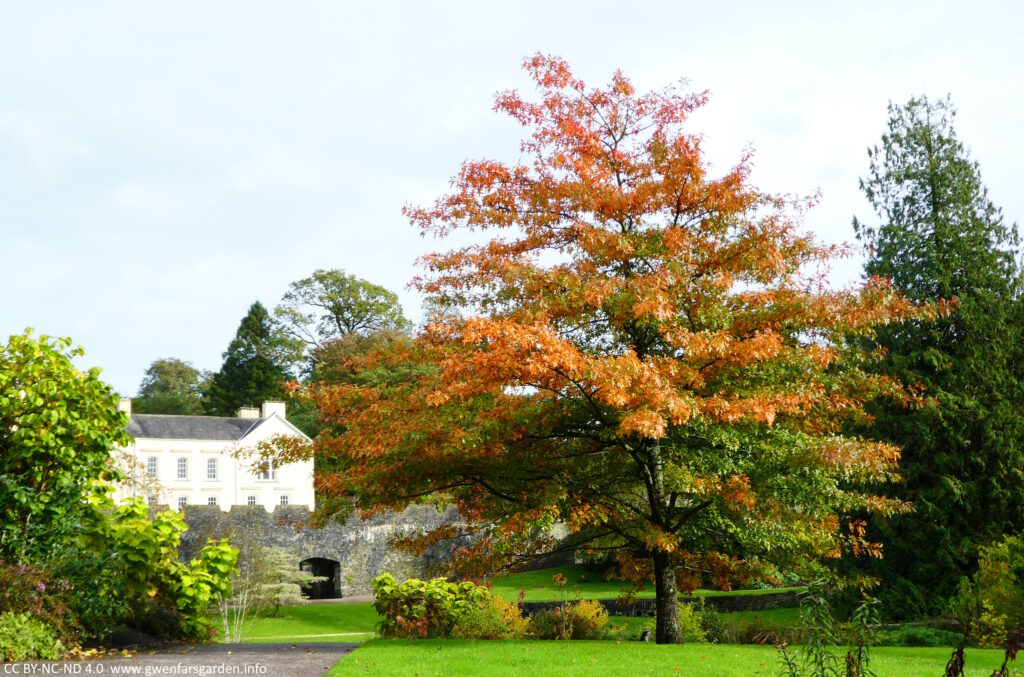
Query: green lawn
x=317, y=622
x=355, y=623
x=537, y=658
x=538, y=586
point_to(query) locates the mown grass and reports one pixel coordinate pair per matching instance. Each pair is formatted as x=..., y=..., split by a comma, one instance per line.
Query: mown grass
x=539, y=586
x=317, y=623
x=538, y=658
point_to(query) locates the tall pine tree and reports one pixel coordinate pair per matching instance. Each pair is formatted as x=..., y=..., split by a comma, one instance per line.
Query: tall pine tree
x=255, y=366
x=941, y=237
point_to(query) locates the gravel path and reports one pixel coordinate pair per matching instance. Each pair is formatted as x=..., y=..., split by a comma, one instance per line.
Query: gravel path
x=271, y=660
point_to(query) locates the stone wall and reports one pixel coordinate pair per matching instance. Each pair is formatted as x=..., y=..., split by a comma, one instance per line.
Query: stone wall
x=362, y=548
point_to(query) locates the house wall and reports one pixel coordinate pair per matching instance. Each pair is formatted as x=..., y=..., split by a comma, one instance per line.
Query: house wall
x=235, y=480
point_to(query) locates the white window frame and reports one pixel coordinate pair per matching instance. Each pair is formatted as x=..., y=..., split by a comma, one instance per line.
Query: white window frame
x=284, y=499
x=182, y=469
x=211, y=500
x=251, y=500
x=212, y=465
x=268, y=475
x=152, y=467
x=182, y=502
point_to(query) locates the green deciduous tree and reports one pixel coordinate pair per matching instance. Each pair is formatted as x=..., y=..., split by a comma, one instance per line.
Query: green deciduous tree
x=58, y=426
x=330, y=304
x=940, y=237
x=171, y=386
x=256, y=364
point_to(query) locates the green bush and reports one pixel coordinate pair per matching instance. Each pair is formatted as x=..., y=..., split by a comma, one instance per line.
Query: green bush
x=136, y=560
x=712, y=624
x=423, y=608
x=690, y=624
x=550, y=624
x=910, y=635
x=991, y=605
x=25, y=638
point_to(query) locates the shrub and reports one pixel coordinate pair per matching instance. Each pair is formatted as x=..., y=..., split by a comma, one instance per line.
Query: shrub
x=910, y=635
x=30, y=589
x=712, y=624
x=690, y=625
x=25, y=638
x=495, y=618
x=583, y=619
x=423, y=608
x=550, y=624
x=992, y=604
x=589, y=619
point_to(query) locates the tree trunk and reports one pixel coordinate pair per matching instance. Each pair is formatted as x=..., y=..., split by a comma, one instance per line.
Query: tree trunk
x=667, y=630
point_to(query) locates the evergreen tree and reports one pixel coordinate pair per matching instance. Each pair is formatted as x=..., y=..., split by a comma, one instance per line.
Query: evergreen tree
x=255, y=366
x=942, y=238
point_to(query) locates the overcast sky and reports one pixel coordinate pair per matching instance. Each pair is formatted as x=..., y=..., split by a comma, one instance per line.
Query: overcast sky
x=163, y=165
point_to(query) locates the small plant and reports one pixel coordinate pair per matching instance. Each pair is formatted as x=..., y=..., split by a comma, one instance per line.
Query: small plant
x=818, y=632
x=863, y=624
x=25, y=638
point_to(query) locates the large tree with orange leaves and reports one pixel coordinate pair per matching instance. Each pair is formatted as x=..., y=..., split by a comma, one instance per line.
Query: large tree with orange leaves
x=644, y=353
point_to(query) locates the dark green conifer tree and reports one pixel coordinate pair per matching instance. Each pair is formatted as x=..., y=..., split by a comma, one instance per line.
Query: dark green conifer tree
x=940, y=237
x=256, y=364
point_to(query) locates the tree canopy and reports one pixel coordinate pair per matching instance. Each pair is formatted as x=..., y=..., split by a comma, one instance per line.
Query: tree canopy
x=171, y=386
x=255, y=366
x=645, y=358
x=330, y=304
x=58, y=427
x=941, y=237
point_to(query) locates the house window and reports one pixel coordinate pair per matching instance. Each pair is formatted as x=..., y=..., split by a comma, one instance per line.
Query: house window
x=284, y=499
x=182, y=502
x=211, y=500
x=211, y=468
x=151, y=467
x=151, y=500
x=182, y=468
x=269, y=474
x=251, y=500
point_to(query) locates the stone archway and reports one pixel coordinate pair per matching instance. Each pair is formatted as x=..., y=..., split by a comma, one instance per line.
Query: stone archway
x=328, y=568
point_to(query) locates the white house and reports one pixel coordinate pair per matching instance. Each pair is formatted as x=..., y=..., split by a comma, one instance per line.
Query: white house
x=189, y=460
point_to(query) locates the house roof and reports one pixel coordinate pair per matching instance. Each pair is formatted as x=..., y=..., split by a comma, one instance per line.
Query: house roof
x=166, y=427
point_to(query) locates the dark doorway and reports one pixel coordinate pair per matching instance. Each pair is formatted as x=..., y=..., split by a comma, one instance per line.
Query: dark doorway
x=329, y=569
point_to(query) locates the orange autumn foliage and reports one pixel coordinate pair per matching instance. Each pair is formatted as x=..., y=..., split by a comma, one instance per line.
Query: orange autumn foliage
x=636, y=348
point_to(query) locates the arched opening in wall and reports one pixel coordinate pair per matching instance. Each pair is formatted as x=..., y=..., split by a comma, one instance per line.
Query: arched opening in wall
x=329, y=569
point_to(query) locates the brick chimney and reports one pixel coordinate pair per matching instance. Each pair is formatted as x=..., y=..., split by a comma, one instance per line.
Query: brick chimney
x=249, y=412
x=125, y=404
